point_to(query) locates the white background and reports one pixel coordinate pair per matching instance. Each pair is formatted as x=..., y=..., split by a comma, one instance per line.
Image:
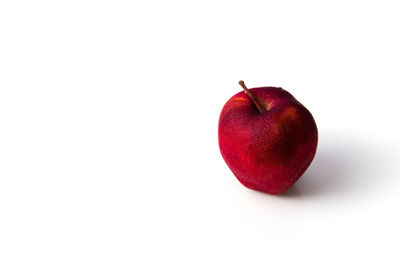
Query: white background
x=108, y=133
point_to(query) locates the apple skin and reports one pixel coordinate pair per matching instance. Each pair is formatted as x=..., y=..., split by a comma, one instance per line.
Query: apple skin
x=267, y=151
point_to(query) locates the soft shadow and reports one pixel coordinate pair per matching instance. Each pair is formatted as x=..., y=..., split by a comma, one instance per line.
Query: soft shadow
x=346, y=166
x=293, y=192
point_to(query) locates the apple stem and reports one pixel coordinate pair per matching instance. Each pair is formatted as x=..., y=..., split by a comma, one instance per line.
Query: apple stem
x=260, y=107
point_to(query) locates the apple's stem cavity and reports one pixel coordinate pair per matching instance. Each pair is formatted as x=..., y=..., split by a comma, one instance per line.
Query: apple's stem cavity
x=260, y=107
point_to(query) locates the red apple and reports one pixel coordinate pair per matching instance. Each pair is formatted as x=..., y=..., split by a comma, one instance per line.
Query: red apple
x=267, y=138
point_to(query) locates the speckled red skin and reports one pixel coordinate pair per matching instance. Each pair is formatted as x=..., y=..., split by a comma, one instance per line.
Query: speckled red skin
x=267, y=151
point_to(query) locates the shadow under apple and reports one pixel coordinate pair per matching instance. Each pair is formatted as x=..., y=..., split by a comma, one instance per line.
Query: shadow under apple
x=346, y=166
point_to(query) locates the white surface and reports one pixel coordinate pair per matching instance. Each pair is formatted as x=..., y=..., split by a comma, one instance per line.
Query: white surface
x=108, y=133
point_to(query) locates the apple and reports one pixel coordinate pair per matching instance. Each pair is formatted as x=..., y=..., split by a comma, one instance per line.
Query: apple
x=267, y=138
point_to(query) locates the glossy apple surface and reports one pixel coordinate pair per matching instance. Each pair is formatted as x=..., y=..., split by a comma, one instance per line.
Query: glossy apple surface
x=267, y=151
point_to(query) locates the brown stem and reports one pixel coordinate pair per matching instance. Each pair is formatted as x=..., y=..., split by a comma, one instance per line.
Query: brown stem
x=260, y=107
